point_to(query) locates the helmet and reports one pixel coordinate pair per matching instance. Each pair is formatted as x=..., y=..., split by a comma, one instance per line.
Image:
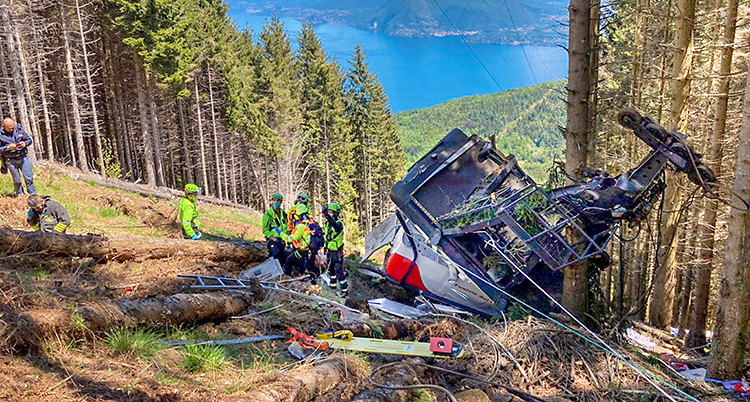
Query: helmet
x=192, y=189
x=334, y=207
x=303, y=198
x=277, y=196
x=300, y=210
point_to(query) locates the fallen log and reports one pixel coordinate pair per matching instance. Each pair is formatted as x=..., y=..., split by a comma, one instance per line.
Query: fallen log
x=172, y=310
x=29, y=329
x=303, y=383
x=99, y=247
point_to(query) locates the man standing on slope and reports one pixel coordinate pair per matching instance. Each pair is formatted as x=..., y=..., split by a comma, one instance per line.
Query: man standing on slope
x=333, y=230
x=46, y=215
x=300, y=259
x=14, y=148
x=292, y=222
x=188, y=214
x=275, y=218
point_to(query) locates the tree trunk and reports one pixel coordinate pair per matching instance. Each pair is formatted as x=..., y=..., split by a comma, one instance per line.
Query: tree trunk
x=660, y=313
x=730, y=326
x=699, y=313
x=575, y=283
x=15, y=68
x=147, y=141
x=216, y=142
x=32, y=120
x=45, y=108
x=173, y=310
x=187, y=164
x=92, y=96
x=75, y=107
x=29, y=329
x=98, y=247
x=156, y=134
x=200, y=138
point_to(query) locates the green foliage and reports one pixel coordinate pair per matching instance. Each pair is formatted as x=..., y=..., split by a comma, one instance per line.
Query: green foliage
x=517, y=311
x=139, y=342
x=203, y=358
x=107, y=213
x=525, y=121
x=111, y=164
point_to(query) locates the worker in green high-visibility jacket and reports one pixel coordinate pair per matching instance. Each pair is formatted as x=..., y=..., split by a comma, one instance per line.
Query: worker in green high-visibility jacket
x=333, y=232
x=188, y=214
x=47, y=215
x=273, y=218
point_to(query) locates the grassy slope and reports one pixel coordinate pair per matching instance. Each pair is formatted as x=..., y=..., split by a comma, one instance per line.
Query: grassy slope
x=95, y=209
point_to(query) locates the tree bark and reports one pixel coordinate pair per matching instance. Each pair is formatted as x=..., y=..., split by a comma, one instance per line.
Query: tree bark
x=699, y=313
x=575, y=283
x=173, y=310
x=99, y=247
x=156, y=135
x=75, y=108
x=730, y=326
x=660, y=313
x=92, y=96
x=216, y=143
x=200, y=138
x=147, y=141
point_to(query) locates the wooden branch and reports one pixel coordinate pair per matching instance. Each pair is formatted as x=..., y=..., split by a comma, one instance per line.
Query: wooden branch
x=99, y=247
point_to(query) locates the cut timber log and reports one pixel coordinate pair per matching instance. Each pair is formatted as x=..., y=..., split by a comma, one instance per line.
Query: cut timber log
x=301, y=384
x=29, y=329
x=163, y=193
x=99, y=247
x=177, y=309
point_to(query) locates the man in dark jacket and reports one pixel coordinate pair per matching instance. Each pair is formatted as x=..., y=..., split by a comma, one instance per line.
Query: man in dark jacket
x=14, y=148
x=47, y=215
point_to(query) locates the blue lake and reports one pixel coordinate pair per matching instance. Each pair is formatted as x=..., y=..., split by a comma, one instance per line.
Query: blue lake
x=422, y=72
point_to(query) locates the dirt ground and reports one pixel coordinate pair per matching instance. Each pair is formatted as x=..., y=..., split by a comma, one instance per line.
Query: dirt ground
x=68, y=362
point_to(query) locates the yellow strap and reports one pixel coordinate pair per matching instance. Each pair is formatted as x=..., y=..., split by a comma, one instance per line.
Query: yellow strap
x=61, y=227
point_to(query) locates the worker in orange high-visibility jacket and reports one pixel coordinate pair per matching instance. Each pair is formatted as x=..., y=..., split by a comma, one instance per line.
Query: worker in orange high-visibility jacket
x=300, y=261
x=292, y=220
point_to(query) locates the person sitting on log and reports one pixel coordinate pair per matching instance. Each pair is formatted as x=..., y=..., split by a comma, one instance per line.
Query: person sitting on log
x=46, y=215
x=275, y=217
x=188, y=214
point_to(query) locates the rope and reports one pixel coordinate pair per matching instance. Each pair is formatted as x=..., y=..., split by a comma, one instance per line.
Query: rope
x=599, y=343
x=467, y=45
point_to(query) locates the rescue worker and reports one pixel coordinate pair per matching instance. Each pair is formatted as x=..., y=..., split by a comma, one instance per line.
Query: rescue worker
x=46, y=215
x=333, y=229
x=300, y=259
x=301, y=199
x=188, y=214
x=275, y=217
x=14, y=148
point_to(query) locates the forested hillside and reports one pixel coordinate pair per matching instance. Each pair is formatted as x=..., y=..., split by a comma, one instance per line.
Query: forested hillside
x=171, y=92
x=526, y=122
x=511, y=22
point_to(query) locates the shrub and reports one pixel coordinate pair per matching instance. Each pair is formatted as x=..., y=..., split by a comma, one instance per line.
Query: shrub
x=140, y=343
x=204, y=358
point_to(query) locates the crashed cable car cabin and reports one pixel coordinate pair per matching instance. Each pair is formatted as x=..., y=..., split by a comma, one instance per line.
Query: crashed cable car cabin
x=471, y=224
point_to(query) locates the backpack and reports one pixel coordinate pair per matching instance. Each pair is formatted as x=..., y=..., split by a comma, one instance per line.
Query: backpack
x=316, y=236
